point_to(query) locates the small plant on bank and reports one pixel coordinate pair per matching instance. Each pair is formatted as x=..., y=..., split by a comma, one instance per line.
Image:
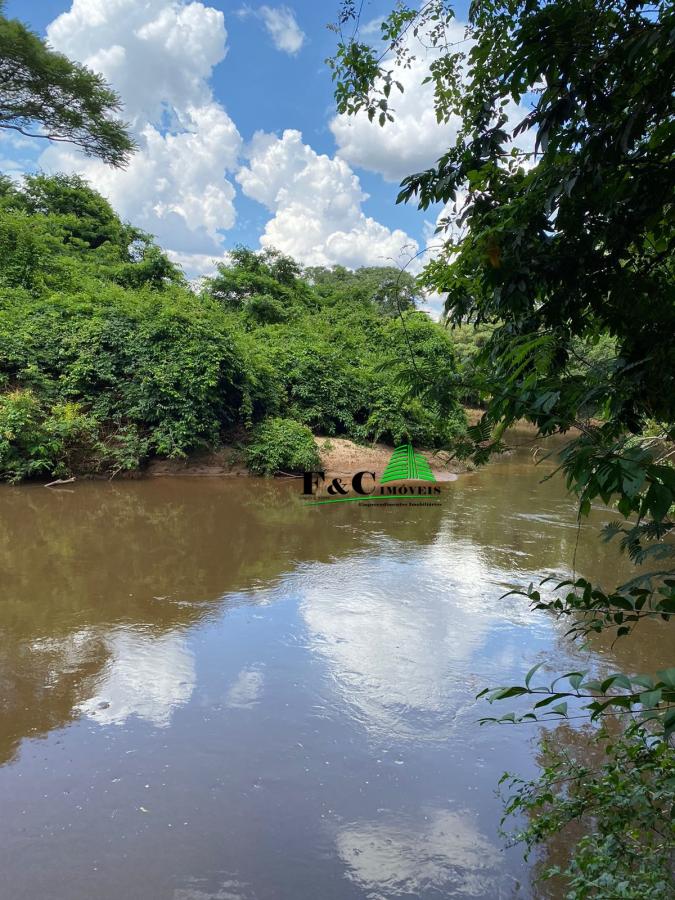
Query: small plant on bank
x=282, y=446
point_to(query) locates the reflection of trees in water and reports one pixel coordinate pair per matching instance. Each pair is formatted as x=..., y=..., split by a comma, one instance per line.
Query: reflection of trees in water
x=113, y=551
x=108, y=674
x=576, y=743
x=646, y=650
x=528, y=526
x=80, y=566
x=161, y=555
x=40, y=682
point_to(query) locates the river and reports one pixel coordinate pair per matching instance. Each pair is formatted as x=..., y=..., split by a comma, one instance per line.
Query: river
x=211, y=692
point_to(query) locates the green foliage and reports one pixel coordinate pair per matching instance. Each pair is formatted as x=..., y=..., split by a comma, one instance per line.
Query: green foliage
x=648, y=699
x=592, y=610
x=336, y=357
x=88, y=219
x=418, y=403
x=251, y=276
x=37, y=441
x=468, y=342
x=106, y=357
x=94, y=317
x=56, y=229
x=282, y=446
x=320, y=386
x=575, y=247
x=351, y=377
x=625, y=797
x=388, y=289
x=157, y=365
x=621, y=787
x=562, y=254
x=46, y=95
x=23, y=440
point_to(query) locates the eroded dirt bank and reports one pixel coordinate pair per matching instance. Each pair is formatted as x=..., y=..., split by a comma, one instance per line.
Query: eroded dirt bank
x=339, y=457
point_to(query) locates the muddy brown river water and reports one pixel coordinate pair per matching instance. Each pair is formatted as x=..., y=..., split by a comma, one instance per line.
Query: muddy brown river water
x=211, y=692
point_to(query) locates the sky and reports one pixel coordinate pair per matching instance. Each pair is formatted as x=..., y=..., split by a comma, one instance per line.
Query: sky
x=232, y=106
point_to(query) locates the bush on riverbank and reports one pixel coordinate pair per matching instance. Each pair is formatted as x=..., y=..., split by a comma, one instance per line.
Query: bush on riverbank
x=107, y=357
x=282, y=445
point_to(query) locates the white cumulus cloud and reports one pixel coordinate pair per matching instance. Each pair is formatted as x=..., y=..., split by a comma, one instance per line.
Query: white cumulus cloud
x=316, y=201
x=414, y=140
x=283, y=28
x=443, y=852
x=159, y=55
x=246, y=689
x=146, y=676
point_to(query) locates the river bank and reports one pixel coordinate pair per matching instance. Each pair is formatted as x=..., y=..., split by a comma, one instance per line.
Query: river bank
x=339, y=457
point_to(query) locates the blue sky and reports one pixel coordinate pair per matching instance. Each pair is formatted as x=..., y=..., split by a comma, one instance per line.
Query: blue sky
x=232, y=106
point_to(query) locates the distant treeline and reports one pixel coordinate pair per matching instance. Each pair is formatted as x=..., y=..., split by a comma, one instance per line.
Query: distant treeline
x=108, y=356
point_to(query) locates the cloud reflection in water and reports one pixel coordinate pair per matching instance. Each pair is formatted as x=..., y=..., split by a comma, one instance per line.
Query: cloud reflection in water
x=148, y=676
x=395, y=859
x=399, y=635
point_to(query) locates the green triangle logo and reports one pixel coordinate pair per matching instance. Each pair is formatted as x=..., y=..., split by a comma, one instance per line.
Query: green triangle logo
x=408, y=465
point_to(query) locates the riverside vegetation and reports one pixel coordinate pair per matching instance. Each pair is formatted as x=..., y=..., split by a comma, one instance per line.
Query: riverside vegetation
x=559, y=279
x=109, y=357
x=563, y=237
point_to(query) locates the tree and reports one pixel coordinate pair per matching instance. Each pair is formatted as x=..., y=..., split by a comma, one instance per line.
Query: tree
x=91, y=219
x=266, y=283
x=49, y=226
x=390, y=289
x=46, y=95
x=562, y=240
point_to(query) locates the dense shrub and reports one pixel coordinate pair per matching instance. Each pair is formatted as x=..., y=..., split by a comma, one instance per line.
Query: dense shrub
x=347, y=370
x=36, y=441
x=397, y=418
x=282, y=446
x=321, y=385
x=107, y=357
x=155, y=373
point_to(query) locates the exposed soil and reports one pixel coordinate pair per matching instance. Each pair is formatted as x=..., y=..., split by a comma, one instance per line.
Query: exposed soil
x=339, y=457
x=227, y=461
